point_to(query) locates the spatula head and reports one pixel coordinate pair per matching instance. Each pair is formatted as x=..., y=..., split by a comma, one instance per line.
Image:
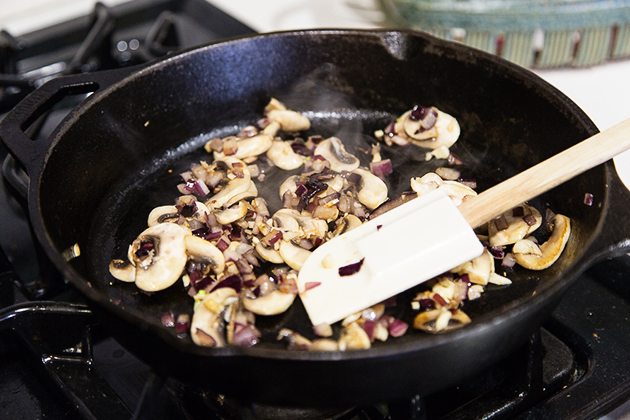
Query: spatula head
x=393, y=252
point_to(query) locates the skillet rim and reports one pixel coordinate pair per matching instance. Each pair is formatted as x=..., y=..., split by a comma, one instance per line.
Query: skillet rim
x=513, y=309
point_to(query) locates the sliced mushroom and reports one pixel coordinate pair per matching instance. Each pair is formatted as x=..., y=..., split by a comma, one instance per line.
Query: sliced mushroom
x=248, y=147
x=551, y=249
x=200, y=249
x=353, y=337
x=336, y=183
x=123, y=270
x=310, y=226
x=346, y=224
x=478, y=269
x=273, y=303
x=373, y=191
x=333, y=151
x=285, y=221
x=274, y=105
x=252, y=191
x=231, y=214
x=324, y=344
x=432, y=181
x=526, y=246
x=516, y=227
x=268, y=253
x=272, y=129
x=162, y=214
x=293, y=255
x=289, y=120
x=289, y=184
x=440, y=320
x=165, y=262
x=283, y=156
x=207, y=326
x=235, y=187
x=445, y=132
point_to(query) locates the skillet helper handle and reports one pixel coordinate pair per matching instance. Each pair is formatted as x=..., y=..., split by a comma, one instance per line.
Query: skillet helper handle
x=32, y=153
x=546, y=175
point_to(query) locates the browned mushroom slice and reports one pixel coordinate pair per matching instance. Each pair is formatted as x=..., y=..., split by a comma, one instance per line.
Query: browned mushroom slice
x=353, y=337
x=549, y=251
x=440, y=320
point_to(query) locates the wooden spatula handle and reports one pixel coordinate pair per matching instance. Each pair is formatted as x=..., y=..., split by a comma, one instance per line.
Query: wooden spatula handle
x=547, y=174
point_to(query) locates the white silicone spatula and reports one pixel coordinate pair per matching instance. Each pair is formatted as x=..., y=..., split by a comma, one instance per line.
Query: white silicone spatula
x=430, y=235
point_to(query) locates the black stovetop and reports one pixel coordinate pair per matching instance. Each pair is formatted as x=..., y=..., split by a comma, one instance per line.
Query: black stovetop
x=56, y=362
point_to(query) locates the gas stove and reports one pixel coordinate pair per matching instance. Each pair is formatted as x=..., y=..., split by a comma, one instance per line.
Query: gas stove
x=58, y=362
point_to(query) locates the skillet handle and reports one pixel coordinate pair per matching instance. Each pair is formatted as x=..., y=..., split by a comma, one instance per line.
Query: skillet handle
x=32, y=153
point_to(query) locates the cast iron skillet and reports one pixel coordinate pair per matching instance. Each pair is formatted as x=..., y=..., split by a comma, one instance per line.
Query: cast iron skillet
x=95, y=180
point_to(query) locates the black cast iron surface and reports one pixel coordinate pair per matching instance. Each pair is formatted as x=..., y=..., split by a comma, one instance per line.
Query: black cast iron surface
x=118, y=172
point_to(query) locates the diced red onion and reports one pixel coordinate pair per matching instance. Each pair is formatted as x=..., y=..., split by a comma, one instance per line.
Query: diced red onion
x=389, y=302
x=588, y=199
x=231, y=255
x=243, y=266
x=439, y=299
x=186, y=176
x=501, y=223
x=168, y=319
x=518, y=211
x=205, y=339
x=508, y=260
x=301, y=149
x=529, y=219
x=427, y=304
x=453, y=159
x=201, y=188
x=234, y=281
x=300, y=190
x=230, y=147
x=465, y=278
x=353, y=178
x=382, y=168
x=549, y=215
x=246, y=335
x=223, y=243
x=328, y=198
x=497, y=252
x=368, y=327
x=311, y=285
x=205, y=283
x=350, y=269
x=183, y=323
x=397, y=328
x=216, y=144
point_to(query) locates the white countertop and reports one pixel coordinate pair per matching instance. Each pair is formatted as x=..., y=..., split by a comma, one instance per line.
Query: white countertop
x=603, y=91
